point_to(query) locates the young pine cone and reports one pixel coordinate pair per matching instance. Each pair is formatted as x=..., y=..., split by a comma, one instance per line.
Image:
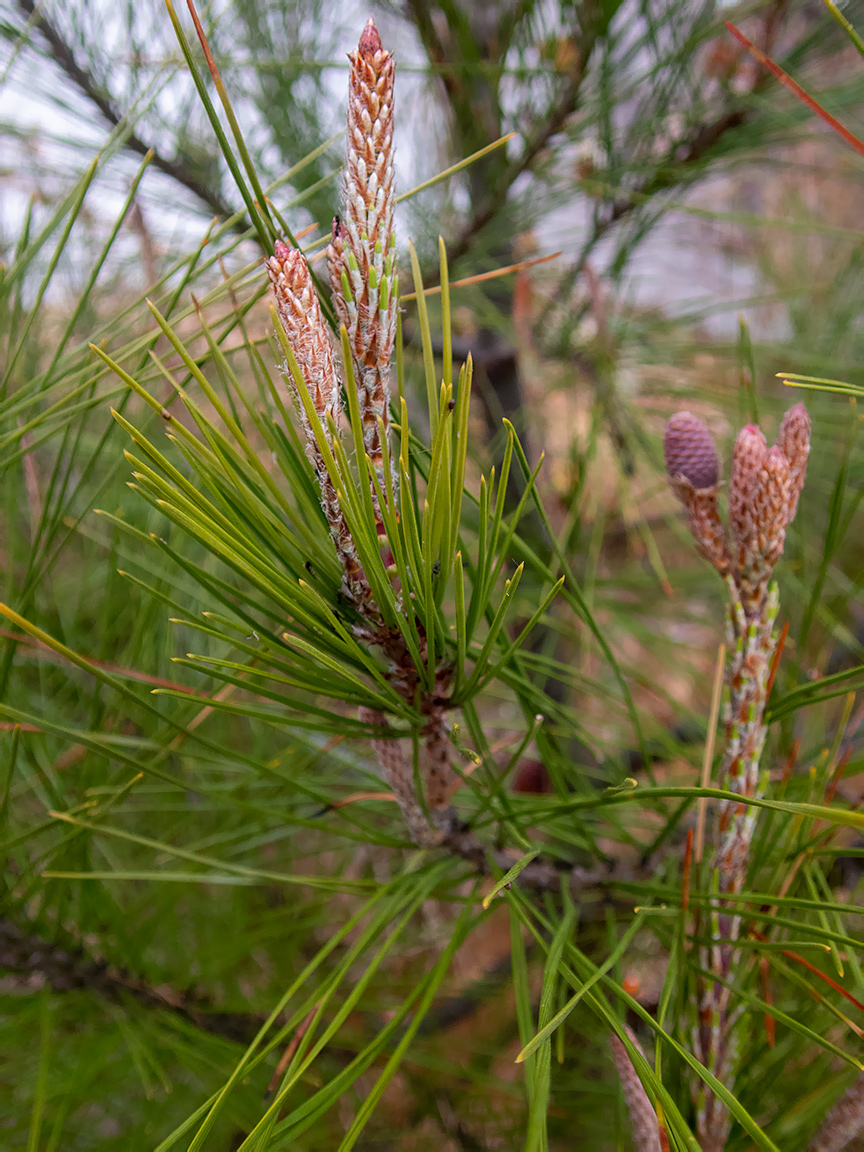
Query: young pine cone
x=690, y=451
x=694, y=472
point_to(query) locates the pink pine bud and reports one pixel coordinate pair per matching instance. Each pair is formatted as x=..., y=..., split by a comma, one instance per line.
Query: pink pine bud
x=794, y=436
x=694, y=471
x=771, y=504
x=794, y=441
x=747, y=457
x=763, y=547
x=690, y=451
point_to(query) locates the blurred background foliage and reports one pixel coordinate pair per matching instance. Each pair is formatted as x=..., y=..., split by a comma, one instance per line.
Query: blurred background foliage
x=703, y=234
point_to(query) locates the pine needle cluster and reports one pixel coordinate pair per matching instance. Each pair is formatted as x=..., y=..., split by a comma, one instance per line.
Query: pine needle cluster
x=338, y=806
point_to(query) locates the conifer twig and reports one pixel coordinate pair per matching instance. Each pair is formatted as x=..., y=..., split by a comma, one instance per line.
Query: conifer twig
x=65, y=966
x=365, y=295
x=764, y=489
x=843, y=1123
x=643, y=1118
x=398, y=774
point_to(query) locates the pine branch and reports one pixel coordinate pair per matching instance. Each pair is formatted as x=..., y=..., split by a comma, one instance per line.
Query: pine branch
x=542, y=874
x=764, y=488
x=86, y=83
x=554, y=121
x=67, y=967
x=466, y=119
x=421, y=13
x=675, y=171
